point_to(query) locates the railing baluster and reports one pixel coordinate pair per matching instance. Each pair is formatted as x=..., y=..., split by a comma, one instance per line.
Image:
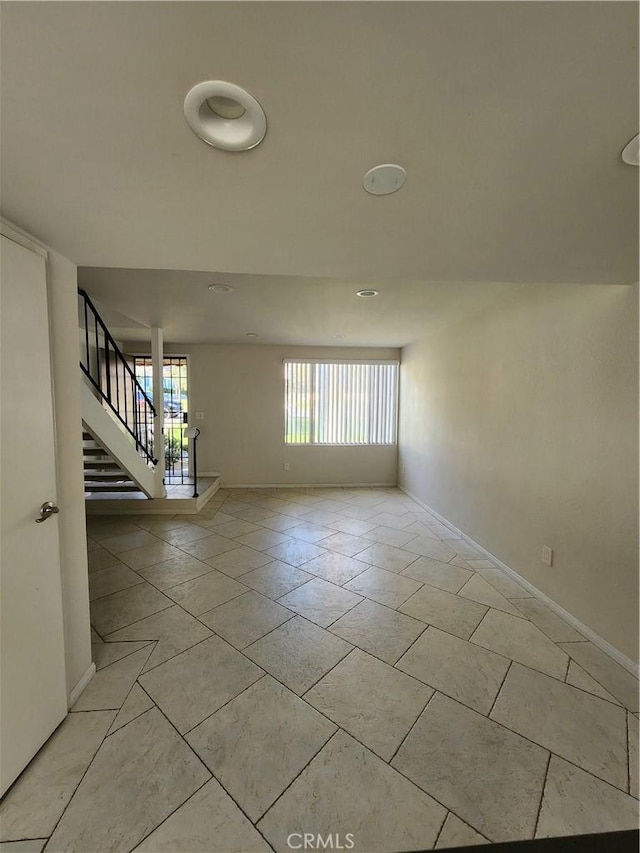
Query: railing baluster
x=139, y=418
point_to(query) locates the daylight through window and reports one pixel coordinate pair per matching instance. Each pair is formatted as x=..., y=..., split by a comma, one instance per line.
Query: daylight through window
x=340, y=402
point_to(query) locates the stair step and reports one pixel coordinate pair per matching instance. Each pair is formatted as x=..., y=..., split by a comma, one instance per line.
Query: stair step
x=101, y=464
x=106, y=476
x=93, y=451
x=111, y=487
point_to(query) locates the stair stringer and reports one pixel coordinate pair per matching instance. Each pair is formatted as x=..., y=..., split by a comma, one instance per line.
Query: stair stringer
x=117, y=443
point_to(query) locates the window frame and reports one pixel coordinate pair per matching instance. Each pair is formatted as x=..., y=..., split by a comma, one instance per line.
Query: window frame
x=393, y=362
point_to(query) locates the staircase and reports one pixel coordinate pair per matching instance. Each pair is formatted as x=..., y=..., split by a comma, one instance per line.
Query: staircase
x=101, y=471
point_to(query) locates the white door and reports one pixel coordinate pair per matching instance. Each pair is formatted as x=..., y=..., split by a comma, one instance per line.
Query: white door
x=32, y=668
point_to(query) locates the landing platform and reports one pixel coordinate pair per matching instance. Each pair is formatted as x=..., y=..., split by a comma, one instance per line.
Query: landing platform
x=179, y=500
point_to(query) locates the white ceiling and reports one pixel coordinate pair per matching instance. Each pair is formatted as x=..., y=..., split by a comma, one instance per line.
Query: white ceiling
x=508, y=117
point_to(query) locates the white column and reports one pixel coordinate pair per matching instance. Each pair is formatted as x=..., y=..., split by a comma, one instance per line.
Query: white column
x=157, y=360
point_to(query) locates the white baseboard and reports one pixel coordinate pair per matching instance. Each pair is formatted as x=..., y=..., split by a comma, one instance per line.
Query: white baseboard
x=80, y=686
x=583, y=629
x=307, y=485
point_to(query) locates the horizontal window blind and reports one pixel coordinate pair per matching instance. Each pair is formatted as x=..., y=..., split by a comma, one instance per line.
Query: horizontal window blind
x=340, y=402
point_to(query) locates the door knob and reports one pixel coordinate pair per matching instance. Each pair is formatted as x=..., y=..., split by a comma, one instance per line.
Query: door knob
x=47, y=509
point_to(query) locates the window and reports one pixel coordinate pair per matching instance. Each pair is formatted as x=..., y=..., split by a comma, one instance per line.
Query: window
x=340, y=402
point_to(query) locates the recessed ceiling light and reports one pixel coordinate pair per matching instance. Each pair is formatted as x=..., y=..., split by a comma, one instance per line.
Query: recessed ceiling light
x=220, y=288
x=225, y=116
x=631, y=152
x=384, y=179
x=339, y=337
x=251, y=335
x=367, y=293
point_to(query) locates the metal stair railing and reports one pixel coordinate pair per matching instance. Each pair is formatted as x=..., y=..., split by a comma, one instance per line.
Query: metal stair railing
x=105, y=366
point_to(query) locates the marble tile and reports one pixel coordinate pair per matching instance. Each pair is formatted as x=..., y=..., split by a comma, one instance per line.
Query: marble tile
x=371, y=700
x=320, y=601
x=478, y=589
x=387, y=557
x=209, y=822
x=606, y=672
x=467, y=550
x=458, y=561
x=245, y=619
x=279, y=522
x=298, y=653
x=295, y=552
x=297, y=509
x=345, y=543
x=433, y=548
x=579, y=678
x=334, y=567
x=321, y=516
x=258, y=743
x=441, y=575
x=456, y=833
x=445, y=533
x=275, y=579
x=115, y=611
x=157, y=524
x=583, y=729
x=210, y=546
x=544, y=618
x=417, y=528
x=101, y=559
x=309, y=532
x=456, y=667
x=262, y=539
x=352, y=526
x=481, y=564
x=109, y=688
x=390, y=536
x=489, y=776
x=197, y=682
x=384, y=587
x=503, y=583
x=516, y=638
x=104, y=527
x=383, y=811
x=185, y=534
x=104, y=654
x=128, y=541
x=136, y=703
x=203, y=593
x=252, y=513
x=576, y=803
x=634, y=769
x=378, y=630
x=149, y=555
x=113, y=579
x=31, y=845
x=239, y=561
x=237, y=527
x=171, y=572
x=395, y=522
x=458, y=616
x=33, y=805
x=359, y=513
x=139, y=776
x=173, y=629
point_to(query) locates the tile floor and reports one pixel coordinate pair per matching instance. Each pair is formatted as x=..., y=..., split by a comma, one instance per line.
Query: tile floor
x=323, y=661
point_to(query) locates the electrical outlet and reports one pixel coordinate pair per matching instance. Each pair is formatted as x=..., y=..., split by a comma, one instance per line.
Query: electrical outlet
x=199, y=416
x=547, y=555
x=286, y=466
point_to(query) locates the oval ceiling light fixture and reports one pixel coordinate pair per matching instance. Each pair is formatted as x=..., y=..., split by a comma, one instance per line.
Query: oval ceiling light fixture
x=366, y=294
x=220, y=288
x=251, y=335
x=631, y=152
x=225, y=115
x=384, y=179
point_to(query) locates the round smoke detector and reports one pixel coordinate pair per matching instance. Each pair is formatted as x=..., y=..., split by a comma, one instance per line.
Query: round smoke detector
x=384, y=179
x=225, y=115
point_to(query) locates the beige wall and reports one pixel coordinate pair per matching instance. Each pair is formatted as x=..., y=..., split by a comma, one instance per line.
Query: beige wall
x=519, y=424
x=65, y=356
x=240, y=390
